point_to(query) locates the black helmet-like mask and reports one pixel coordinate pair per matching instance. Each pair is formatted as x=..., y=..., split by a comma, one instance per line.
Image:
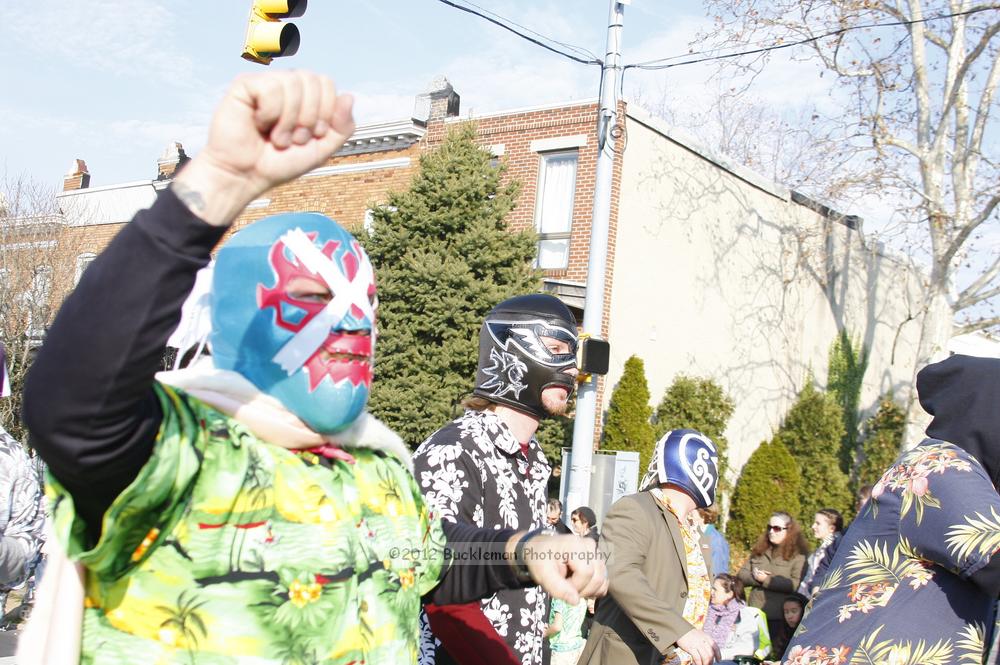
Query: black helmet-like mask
x=515, y=366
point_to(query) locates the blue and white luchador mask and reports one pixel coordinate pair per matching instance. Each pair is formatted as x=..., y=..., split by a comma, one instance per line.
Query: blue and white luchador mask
x=293, y=300
x=687, y=459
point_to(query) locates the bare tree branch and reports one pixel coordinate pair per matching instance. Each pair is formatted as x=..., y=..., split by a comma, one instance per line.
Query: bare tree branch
x=975, y=326
x=966, y=230
x=973, y=293
x=960, y=75
x=927, y=102
x=37, y=266
x=985, y=104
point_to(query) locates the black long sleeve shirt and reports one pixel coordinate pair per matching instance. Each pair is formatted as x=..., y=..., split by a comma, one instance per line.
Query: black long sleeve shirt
x=88, y=399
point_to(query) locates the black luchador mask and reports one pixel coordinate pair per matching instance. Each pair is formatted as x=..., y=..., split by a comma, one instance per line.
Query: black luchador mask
x=515, y=366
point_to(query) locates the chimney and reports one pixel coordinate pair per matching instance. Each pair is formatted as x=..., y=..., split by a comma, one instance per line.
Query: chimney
x=173, y=158
x=439, y=102
x=78, y=176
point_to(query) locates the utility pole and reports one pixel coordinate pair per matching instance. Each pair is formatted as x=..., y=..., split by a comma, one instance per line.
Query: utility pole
x=593, y=311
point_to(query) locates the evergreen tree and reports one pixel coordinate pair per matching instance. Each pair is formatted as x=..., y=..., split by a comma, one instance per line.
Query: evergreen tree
x=769, y=482
x=845, y=375
x=696, y=403
x=883, y=438
x=443, y=257
x=812, y=432
x=555, y=433
x=627, y=425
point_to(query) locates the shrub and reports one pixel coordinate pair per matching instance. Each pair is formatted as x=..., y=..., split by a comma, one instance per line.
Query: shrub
x=883, y=438
x=847, y=365
x=627, y=425
x=812, y=433
x=696, y=403
x=769, y=482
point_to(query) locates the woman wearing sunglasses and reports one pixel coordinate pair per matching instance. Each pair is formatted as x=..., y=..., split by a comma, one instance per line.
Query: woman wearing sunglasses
x=774, y=568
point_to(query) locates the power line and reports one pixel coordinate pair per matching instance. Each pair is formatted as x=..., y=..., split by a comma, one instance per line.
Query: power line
x=651, y=65
x=579, y=49
x=502, y=22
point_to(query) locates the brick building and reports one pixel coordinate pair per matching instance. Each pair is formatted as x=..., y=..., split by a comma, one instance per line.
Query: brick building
x=712, y=269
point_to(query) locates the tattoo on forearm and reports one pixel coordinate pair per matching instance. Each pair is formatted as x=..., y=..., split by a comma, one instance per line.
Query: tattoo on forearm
x=192, y=199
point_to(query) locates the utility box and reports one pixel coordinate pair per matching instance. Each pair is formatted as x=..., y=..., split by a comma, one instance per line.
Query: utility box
x=615, y=474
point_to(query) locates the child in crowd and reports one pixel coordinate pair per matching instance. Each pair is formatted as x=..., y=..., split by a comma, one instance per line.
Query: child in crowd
x=737, y=629
x=565, y=639
x=792, y=610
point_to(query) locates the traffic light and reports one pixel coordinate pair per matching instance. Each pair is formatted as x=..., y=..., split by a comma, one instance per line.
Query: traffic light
x=267, y=36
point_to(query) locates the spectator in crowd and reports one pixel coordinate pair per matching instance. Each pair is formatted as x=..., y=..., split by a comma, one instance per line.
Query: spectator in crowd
x=698, y=524
x=830, y=551
x=774, y=568
x=738, y=629
x=792, y=610
x=828, y=527
x=563, y=631
x=717, y=543
x=584, y=523
x=554, y=517
x=918, y=569
x=659, y=584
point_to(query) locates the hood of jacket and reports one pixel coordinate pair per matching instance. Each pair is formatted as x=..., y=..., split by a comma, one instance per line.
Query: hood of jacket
x=962, y=394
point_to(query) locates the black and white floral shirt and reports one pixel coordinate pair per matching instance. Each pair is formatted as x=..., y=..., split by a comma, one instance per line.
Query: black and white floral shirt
x=472, y=470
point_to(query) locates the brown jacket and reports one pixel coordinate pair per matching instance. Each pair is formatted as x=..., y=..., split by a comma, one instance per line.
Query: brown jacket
x=640, y=620
x=785, y=577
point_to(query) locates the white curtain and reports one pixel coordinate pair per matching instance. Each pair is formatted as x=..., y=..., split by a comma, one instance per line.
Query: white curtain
x=555, y=214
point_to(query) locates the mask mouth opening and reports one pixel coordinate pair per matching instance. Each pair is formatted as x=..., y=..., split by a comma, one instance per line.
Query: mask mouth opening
x=344, y=356
x=348, y=345
x=566, y=382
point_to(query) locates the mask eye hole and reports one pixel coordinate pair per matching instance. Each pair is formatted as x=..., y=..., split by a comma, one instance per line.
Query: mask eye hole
x=555, y=346
x=308, y=290
x=557, y=342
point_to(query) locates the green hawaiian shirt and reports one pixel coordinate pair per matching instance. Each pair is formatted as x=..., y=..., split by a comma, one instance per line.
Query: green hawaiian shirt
x=226, y=549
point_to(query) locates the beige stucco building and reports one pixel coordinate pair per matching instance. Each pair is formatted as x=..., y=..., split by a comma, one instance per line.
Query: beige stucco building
x=721, y=273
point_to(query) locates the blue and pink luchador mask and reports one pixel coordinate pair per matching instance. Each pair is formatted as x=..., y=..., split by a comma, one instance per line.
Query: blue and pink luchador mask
x=293, y=300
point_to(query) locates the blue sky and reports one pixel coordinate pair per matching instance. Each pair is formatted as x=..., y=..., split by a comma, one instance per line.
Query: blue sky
x=112, y=81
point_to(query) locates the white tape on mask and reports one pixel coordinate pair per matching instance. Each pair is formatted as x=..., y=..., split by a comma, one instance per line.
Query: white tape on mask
x=345, y=293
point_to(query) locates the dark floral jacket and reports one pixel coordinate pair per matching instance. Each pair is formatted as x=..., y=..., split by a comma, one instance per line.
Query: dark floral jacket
x=899, y=590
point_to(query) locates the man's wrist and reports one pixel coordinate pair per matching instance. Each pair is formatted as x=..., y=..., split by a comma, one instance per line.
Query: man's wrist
x=516, y=554
x=213, y=194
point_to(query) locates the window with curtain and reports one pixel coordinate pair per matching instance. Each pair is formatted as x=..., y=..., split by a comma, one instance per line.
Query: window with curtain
x=37, y=300
x=554, y=212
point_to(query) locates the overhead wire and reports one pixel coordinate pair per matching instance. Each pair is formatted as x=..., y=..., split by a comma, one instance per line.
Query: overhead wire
x=579, y=49
x=503, y=23
x=651, y=65
x=664, y=63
